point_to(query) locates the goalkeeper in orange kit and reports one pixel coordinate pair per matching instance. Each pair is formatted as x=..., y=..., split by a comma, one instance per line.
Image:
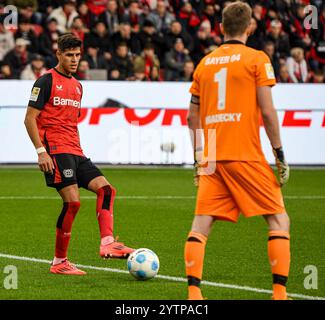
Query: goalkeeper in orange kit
x=231, y=88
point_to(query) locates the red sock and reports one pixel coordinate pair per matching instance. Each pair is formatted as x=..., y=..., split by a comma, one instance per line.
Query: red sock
x=63, y=228
x=105, y=201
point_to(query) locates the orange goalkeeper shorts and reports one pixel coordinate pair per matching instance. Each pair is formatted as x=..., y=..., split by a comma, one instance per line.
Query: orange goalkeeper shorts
x=235, y=187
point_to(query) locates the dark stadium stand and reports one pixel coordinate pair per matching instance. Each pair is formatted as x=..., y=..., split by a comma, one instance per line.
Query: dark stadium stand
x=178, y=31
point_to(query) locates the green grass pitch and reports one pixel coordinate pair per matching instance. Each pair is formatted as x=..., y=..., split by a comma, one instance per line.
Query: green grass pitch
x=236, y=253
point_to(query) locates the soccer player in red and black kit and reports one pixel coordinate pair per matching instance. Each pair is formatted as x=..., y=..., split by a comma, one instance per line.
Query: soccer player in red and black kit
x=51, y=122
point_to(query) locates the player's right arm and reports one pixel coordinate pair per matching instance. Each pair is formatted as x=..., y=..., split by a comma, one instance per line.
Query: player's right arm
x=40, y=95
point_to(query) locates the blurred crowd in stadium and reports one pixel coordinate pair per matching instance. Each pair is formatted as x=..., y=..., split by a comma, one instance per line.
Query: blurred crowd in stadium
x=157, y=40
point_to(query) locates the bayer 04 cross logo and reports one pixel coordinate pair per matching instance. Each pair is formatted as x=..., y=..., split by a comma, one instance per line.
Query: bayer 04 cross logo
x=68, y=173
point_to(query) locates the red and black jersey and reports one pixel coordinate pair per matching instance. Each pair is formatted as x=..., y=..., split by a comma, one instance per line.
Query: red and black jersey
x=59, y=98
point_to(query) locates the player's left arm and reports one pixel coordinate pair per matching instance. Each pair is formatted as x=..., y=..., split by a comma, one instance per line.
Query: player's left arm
x=265, y=80
x=194, y=124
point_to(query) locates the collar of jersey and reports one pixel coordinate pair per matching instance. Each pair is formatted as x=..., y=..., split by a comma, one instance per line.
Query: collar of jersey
x=234, y=42
x=62, y=74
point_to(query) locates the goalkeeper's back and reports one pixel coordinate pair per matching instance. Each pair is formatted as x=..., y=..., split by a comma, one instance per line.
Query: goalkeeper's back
x=226, y=81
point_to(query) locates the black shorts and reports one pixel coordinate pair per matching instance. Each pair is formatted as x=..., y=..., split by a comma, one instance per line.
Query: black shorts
x=71, y=169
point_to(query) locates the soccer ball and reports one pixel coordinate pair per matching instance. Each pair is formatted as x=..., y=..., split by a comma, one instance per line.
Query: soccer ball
x=143, y=264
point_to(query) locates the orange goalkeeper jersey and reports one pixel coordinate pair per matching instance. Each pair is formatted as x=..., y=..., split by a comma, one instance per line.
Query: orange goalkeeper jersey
x=226, y=81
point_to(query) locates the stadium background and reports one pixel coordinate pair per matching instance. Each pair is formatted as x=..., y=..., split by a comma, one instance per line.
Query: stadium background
x=151, y=61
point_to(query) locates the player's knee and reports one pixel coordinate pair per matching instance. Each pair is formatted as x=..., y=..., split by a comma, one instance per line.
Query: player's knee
x=106, y=190
x=202, y=225
x=279, y=222
x=105, y=196
x=74, y=206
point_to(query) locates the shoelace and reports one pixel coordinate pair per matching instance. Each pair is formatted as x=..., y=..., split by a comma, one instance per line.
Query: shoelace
x=69, y=264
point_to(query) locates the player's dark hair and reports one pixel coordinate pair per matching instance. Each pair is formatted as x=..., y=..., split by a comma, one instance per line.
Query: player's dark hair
x=236, y=18
x=68, y=41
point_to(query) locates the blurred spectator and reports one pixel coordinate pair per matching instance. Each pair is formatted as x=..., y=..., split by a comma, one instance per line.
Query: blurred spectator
x=175, y=61
x=111, y=17
x=5, y=72
x=26, y=32
x=18, y=57
x=83, y=70
x=317, y=54
x=94, y=58
x=160, y=17
x=300, y=36
x=45, y=7
x=188, y=18
x=148, y=34
x=279, y=38
x=269, y=49
x=210, y=15
x=318, y=76
x=99, y=38
x=187, y=72
x=34, y=69
x=96, y=7
x=176, y=31
x=258, y=15
x=65, y=14
x=256, y=39
x=203, y=44
x=48, y=42
x=284, y=76
x=126, y=35
x=78, y=28
x=121, y=66
x=134, y=16
x=155, y=74
x=27, y=11
x=87, y=17
x=146, y=61
x=297, y=66
x=7, y=41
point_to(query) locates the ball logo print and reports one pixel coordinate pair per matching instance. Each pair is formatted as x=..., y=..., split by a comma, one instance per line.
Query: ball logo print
x=68, y=173
x=143, y=264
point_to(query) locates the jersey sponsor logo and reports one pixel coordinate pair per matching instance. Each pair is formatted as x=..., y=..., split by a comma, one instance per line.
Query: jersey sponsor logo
x=57, y=101
x=59, y=87
x=222, y=60
x=68, y=173
x=269, y=71
x=35, y=93
x=223, y=117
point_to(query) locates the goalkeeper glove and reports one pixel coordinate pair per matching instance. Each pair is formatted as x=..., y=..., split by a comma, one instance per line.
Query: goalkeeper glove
x=282, y=165
x=197, y=160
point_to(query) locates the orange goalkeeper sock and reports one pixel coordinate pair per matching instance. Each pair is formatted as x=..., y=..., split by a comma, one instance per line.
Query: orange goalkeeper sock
x=194, y=257
x=279, y=256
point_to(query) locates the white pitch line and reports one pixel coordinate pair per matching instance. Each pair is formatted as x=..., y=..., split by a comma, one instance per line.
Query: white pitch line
x=94, y=197
x=170, y=278
x=163, y=197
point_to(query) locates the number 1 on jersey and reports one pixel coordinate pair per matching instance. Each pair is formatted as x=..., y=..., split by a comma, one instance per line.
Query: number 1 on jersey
x=221, y=78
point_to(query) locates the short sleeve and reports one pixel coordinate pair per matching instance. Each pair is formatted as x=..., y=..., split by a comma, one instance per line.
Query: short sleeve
x=195, y=87
x=41, y=92
x=264, y=71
